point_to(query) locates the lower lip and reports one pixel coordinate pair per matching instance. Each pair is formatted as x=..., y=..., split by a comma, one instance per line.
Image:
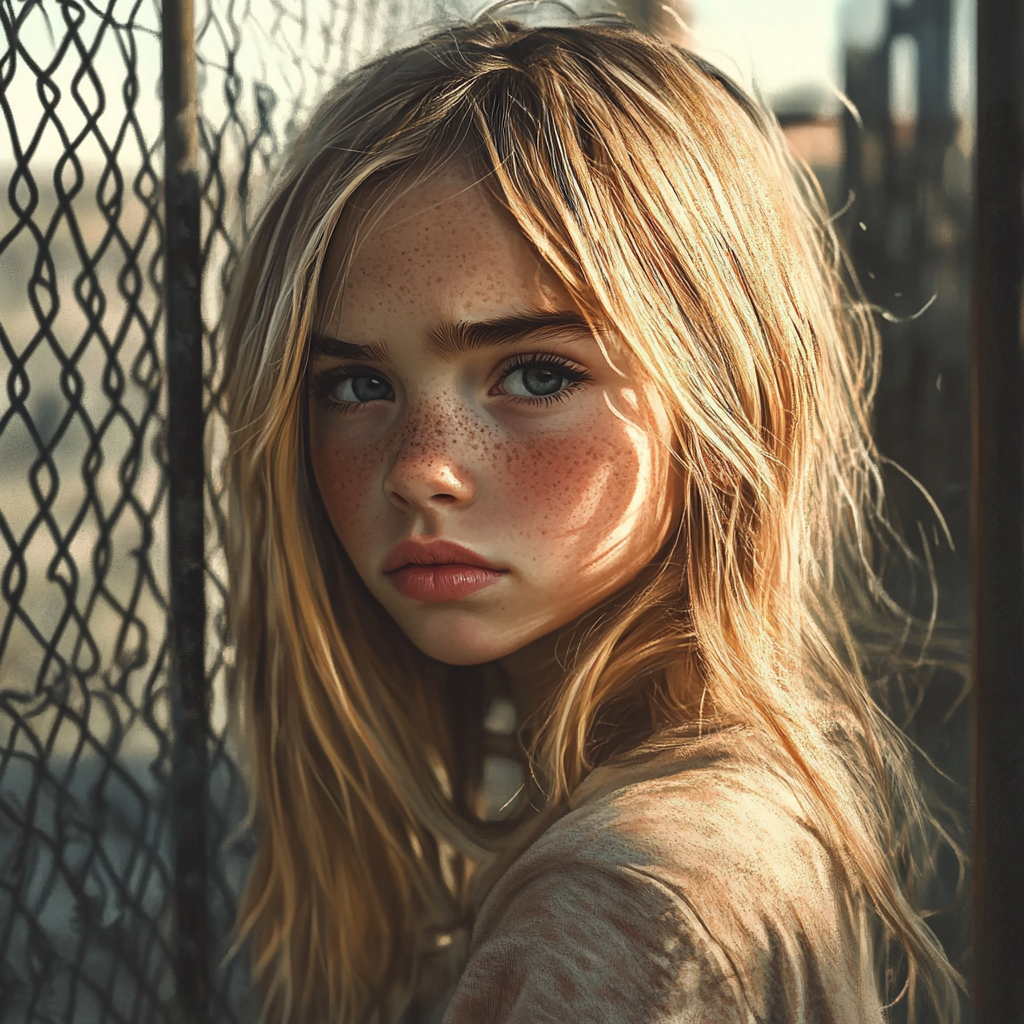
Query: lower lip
x=438, y=583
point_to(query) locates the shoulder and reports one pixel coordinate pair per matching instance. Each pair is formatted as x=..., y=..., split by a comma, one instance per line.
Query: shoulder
x=685, y=886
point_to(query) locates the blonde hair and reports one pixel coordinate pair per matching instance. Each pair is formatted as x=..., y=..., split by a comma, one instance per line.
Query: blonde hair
x=665, y=200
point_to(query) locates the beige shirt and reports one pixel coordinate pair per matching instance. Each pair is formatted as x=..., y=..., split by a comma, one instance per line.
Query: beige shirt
x=684, y=885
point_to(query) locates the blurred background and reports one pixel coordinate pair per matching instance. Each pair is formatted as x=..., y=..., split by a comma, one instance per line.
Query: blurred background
x=875, y=95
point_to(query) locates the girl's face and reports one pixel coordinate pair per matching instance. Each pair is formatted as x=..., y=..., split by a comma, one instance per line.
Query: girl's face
x=489, y=472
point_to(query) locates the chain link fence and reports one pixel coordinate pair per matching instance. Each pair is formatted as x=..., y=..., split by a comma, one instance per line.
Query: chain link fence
x=86, y=744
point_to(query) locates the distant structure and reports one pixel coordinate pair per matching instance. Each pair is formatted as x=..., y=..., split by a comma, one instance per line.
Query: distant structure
x=907, y=173
x=810, y=118
x=907, y=167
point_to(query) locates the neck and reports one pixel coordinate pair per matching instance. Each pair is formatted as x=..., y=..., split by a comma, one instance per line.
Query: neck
x=534, y=674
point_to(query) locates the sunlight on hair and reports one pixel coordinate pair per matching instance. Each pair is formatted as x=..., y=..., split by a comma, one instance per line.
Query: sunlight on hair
x=666, y=201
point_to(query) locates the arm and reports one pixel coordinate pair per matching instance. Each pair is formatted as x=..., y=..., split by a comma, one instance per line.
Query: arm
x=599, y=944
x=698, y=898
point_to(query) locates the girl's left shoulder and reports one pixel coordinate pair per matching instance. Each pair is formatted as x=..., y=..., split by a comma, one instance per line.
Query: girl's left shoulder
x=682, y=884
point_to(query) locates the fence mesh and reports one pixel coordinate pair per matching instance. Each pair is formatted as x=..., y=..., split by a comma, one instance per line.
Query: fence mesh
x=85, y=740
x=84, y=715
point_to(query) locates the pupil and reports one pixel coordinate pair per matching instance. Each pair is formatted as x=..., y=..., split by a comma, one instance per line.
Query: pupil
x=369, y=389
x=540, y=381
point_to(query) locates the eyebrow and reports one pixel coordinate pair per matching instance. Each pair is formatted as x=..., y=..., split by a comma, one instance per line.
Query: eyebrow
x=324, y=345
x=451, y=339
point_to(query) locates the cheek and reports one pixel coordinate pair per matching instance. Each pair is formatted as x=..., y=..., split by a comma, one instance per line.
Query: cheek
x=573, y=488
x=348, y=477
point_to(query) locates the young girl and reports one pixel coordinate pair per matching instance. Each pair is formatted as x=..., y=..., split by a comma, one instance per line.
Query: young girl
x=549, y=415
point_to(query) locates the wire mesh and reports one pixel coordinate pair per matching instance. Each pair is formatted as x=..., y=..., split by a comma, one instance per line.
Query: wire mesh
x=85, y=736
x=83, y=705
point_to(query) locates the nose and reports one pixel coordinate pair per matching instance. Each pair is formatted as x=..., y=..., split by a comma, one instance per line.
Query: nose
x=427, y=474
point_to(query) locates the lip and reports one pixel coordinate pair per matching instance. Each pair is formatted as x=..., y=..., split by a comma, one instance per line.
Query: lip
x=438, y=570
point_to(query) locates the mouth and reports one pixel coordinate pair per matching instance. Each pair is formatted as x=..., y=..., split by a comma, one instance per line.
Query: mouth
x=435, y=570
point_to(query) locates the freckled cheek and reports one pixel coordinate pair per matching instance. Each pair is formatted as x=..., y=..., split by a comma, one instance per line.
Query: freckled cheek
x=570, y=489
x=348, y=477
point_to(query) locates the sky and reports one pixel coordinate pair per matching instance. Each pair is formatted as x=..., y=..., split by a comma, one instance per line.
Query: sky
x=781, y=44
x=775, y=45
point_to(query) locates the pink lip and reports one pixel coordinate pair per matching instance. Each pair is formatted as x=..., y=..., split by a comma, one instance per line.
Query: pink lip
x=438, y=570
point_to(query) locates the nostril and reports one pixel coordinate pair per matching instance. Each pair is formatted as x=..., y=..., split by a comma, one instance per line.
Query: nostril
x=420, y=485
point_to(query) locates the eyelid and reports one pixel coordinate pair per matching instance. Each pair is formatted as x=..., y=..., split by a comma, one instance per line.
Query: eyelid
x=521, y=359
x=575, y=371
x=322, y=382
x=337, y=364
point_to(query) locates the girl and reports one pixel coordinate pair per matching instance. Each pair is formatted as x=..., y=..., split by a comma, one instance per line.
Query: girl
x=549, y=415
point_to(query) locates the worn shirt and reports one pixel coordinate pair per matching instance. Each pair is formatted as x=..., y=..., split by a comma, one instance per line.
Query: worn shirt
x=682, y=885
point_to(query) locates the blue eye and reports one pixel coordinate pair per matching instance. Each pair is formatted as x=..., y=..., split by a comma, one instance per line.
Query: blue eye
x=548, y=377
x=357, y=388
x=535, y=381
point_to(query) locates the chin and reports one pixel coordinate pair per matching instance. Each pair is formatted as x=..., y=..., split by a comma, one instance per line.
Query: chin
x=461, y=639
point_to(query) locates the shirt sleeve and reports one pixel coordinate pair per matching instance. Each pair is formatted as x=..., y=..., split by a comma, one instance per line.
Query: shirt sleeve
x=698, y=898
x=596, y=944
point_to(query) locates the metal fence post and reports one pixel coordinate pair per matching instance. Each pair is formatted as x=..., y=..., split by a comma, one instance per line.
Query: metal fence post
x=185, y=493
x=998, y=517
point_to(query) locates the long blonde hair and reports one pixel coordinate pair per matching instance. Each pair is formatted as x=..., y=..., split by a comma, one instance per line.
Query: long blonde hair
x=665, y=200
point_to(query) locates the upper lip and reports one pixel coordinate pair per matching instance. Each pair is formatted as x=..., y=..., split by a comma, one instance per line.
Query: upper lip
x=434, y=551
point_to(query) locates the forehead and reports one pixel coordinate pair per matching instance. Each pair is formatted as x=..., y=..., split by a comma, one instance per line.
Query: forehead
x=435, y=243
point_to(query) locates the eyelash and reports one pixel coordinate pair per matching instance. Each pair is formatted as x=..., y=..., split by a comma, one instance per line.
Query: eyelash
x=323, y=383
x=573, y=373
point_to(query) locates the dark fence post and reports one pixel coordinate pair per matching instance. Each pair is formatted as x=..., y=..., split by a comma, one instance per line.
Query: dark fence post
x=185, y=497
x=998, y=518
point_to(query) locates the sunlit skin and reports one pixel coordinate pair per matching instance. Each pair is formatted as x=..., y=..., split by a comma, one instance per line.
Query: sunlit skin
x=567, y=494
